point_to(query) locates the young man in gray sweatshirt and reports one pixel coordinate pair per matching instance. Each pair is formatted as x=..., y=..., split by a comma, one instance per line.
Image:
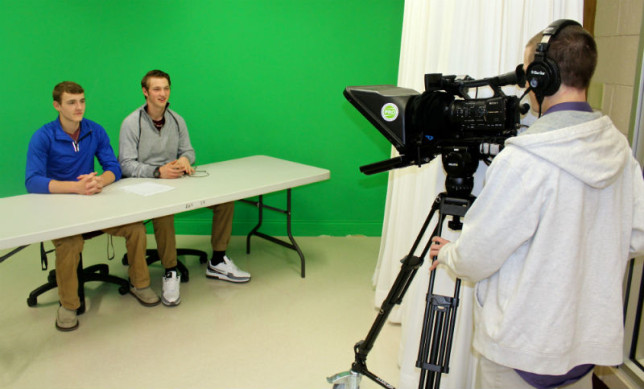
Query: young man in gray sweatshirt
x=154, y=142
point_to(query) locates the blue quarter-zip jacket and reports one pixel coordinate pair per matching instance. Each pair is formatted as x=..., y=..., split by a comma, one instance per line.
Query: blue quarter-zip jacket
x=53, y=155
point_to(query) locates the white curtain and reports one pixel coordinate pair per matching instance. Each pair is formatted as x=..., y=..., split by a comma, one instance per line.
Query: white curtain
x=454, y=37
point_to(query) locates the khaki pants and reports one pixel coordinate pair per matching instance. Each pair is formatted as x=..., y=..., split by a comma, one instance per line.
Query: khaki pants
x=68, y=252
x=222, y=227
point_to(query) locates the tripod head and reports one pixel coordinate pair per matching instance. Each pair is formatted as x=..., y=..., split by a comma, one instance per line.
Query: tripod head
x=460, y=164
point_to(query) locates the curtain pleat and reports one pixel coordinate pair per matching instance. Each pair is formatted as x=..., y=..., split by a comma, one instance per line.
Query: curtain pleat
x=452, y=37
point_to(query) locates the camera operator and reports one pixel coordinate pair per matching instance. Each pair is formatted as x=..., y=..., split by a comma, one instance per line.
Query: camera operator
x=550, y=235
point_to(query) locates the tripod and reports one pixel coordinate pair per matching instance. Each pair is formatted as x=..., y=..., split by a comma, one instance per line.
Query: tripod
x=440, y=311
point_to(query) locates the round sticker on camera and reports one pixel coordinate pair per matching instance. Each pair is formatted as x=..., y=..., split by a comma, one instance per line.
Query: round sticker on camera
x=389, y=112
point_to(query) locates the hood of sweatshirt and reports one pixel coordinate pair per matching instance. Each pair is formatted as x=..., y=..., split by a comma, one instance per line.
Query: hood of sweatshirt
x=585, y=145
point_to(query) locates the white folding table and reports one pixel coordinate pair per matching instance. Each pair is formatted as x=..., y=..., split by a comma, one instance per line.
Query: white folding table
x=33, y=218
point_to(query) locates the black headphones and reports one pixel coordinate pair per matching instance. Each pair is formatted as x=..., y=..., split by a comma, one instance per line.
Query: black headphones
x=543, y=73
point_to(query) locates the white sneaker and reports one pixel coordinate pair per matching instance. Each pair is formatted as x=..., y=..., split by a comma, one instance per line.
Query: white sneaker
x=227, y=271
x=170, y=295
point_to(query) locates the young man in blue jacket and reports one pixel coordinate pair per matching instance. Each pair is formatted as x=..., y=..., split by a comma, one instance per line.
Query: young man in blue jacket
x=549, y=236
x=60, y=159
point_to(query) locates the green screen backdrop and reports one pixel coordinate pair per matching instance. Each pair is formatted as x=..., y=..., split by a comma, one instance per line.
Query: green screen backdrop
x=250, y=77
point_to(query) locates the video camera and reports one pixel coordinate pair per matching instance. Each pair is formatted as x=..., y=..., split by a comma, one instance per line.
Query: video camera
x=444, y=120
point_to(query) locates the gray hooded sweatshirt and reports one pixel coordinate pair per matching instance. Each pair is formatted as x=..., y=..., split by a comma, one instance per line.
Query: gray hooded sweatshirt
x=547, y=242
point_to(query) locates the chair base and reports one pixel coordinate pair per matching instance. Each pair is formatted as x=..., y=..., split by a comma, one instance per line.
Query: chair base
x=98, y=272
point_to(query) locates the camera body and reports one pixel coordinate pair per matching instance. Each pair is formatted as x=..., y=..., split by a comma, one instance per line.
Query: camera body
x=445, y=119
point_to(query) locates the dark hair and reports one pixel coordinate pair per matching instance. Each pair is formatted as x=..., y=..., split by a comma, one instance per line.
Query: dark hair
x=157, y=74
x=66, y=86
x=574, y=51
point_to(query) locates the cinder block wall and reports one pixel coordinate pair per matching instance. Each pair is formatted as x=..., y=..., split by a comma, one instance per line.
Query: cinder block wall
x=617, y=32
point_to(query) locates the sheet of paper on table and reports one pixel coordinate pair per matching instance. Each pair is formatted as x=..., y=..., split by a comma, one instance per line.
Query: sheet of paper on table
x=147, y=188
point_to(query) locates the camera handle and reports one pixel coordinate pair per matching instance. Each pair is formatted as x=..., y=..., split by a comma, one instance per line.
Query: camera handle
x=438, y=352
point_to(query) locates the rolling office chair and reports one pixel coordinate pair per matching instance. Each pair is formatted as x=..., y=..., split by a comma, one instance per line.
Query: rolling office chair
x=98, y=272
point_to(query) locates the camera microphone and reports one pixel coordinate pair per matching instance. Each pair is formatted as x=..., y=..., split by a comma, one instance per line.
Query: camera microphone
x=517, y=77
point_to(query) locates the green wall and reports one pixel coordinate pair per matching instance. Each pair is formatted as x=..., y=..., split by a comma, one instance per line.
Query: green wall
x=249, y=77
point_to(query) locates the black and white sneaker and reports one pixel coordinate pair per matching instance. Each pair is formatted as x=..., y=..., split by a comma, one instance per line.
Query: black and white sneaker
x=227, y=271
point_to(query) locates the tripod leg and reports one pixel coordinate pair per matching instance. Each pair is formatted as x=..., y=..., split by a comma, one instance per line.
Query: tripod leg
x=429, y=313
x=431, y=324
x=440, y=316
x=438, y=361
x=410, y=265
